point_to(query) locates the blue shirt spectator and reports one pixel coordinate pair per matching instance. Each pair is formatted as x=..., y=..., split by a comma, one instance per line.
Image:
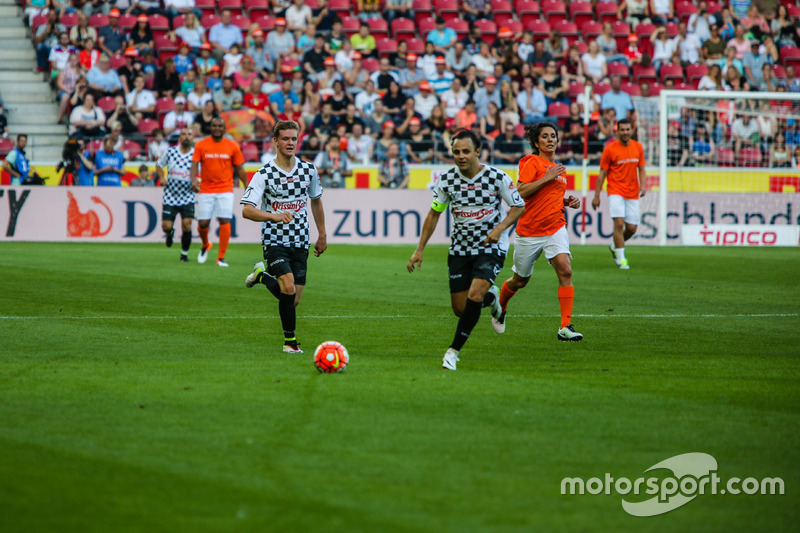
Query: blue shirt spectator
x=103, y=76
x=620, y=101
x=84, y=174
x=442, y=37
x=108, y=165
x=224, y=34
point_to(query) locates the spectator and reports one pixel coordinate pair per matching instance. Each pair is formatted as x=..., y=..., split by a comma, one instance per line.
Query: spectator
x=646, y=113
x=397, y=59
x=140, y=101
x=360, y=146
x=508, y=147
x=467, y=116
x=328, y=77
x=386, y=138
x=555, y=45
x=141, y=37
x=103, y=81
x=167, y=82
x=394, y=99
x=254, y=98
x=767, y=125
x=198, y=96
x=594, y=63
x=323, y=17
x=553, y=85
x=82, y=31
x=608, y=45
x=779, y=154
x=190, y=33
x=332, y=164
x=277, y=99
x=485, y=95
x=314, y=59
x=363, y=41
x=436, y=122
x=177, y=119
x=224, y=98
x=606, y=126
x=491, y=125
x=89, y=56
x=442, y=37
x=115, y=132
x=224, y=35
x=713, y=49
x=112, y=38
x=203, y=118
x=47, y=37
x=419, y=146
x=145, y=178
x=677, y=145
x=205, y=62
x=727, y=24
x=730, y=61
x=145, y=7
x=620, y=101
x=703, y=150
x=526, y=48
x=504, y=39
x=280, y=42
x=393, y=169
x=365, y=100
x=279, y=7
x=16, y=162
x=298, y=17
x=594, y=99
x=754, y=23
x=59, y=54
x=785, y=30
x=661, y=11
x=232, y=60
x=336, y=37
x=108, y=164
x=93, y=7
x=633, y=11
x=427, y=62
x=791, y=83
x=632, y=52
x=768, y=81
x=454, y=99
x=509, y=110
x=344, y=58
x=472, y=41
x=663, y=47
x=744, y=132
x=338, y=99
x=398, y=8
x=122, y=114
x=356, y=78
x=247, y=73
x=410, y=77
x=67, y=83
x=349, y=118
x=753, y=63
x=688, y=45
x=325, y=122
x=572, y=69
x=701, y=22
x=384, y=75
x=174, y=8
x=472, y=10
x=33, y=8
x=484, y=61
x=739, y=42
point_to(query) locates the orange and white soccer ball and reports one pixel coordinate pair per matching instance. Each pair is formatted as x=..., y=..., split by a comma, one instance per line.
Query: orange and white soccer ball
x=331, y=357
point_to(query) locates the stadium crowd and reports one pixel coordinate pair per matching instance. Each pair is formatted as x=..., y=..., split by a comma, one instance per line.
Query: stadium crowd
x=388, y=82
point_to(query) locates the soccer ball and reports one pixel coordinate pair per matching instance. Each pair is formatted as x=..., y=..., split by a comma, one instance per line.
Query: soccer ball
x=330, y=357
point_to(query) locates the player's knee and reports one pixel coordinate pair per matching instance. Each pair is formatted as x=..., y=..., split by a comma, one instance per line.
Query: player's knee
x=631, y=229
x=458, y=310
x=166, y=226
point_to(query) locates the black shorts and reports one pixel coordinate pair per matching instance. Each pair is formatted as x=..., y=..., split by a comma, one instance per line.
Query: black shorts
x=464, y=268
x=169, y=212
x=282, y=260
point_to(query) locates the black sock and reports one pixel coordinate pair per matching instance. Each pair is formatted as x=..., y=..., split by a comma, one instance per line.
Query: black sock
x=288, y=315
x=186, y=241
x=470, y=317
x=488, y=300
x=271, y=284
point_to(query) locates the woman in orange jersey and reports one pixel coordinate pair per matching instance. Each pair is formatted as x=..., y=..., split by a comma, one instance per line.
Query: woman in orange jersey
x=543, y=226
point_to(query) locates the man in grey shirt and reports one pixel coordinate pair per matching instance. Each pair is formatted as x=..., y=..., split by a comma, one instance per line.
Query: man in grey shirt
x=224, y=98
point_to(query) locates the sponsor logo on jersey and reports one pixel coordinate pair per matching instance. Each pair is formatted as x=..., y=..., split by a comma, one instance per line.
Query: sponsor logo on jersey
x=477, y=214
x=289, y=206
x=290, y=180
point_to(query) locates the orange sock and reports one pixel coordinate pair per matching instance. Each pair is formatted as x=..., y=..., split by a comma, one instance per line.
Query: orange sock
x=224, y=237
x=566, y=295
x=505, y=295
x=203, y=236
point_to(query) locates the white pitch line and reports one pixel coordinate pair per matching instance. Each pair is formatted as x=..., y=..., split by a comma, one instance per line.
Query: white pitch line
x=341, y=317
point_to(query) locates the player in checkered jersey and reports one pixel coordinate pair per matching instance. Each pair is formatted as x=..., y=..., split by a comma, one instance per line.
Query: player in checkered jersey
x=178, y=194
x=277, y=197
x=479, y=242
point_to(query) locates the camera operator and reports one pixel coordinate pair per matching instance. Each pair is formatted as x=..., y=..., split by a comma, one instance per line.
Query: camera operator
x=130, y=124
x=76, y=162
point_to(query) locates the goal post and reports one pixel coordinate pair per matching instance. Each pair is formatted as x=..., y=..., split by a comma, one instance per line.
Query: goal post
x=718, y=111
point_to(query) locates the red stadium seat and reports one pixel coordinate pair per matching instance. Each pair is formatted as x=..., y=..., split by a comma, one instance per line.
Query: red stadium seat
x=655, y=88
x=71, y=19
x=460, y=26
x=98, y=20
x=488, y=28
x=234, y=5
x=116, y=62
x=794, y=11
x=94, y=146
x=40, y=20
x=696, y=71
x=644, y=30
x=672, y=72
x=725, y=157
x=591, y=30
x=350, y=25
x=133, y=148
x=127, y=21
x=685, y=9
x=575, y=89
x=622, y=30
x=618, y=69
x=581, y=12
x=208, y=20
x=403, y=28
x=425, y=26
x=265, y=22
x=641, y=74
x=164, y=43
x=714, y=7
x=779, y=71
x=527, y=11
x=422, y=9
x=6, y=145
x=632, y=89
x=206, y=6
x=672, y=29
x=751, y=157
x=370, y=64
x=106, y=103
x=147, y=125
x=602, y=88
x=257, y=8
x=164, y=105
x=241, y=22
x=250, y=152
x=540, y=28
x=385, y=46
x=158, y=22
x=558, y=110
x=416, y=46
x=567, y=28
x=553, y=10
x=178, y=21
x=500, y=7
x=378, y=27
x=606, y=11
x=448, y=9
x=340, y=7
x=790, y=55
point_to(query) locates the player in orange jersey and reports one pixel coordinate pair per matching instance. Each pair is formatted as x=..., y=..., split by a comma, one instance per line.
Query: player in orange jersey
x=623, y=164
x=217, y=158
x=543, y=226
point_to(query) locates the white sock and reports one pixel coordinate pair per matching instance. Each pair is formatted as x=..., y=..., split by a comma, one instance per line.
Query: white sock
x=620, y=253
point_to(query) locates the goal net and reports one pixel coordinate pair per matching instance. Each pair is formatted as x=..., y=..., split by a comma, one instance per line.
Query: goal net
x=722, y=158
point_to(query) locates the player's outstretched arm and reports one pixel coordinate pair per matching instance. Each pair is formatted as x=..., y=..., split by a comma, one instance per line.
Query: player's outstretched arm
x=513, y=215
x=319, y=219
x=427, y=230
x=601, y=179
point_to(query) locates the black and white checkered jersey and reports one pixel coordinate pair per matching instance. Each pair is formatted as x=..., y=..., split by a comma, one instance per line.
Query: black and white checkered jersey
x=178, y=189
x=278, y=191
x=476, y=206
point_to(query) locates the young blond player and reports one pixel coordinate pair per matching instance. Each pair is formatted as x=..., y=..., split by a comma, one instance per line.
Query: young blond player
x=543, y=226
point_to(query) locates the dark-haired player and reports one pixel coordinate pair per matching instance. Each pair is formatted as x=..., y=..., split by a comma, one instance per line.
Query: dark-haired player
x=543, y=226
x=277, y=197
x=479, y=243
x=178, y=194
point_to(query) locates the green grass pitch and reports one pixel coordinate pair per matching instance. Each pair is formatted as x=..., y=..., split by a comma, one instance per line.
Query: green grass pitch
x=140, y=394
